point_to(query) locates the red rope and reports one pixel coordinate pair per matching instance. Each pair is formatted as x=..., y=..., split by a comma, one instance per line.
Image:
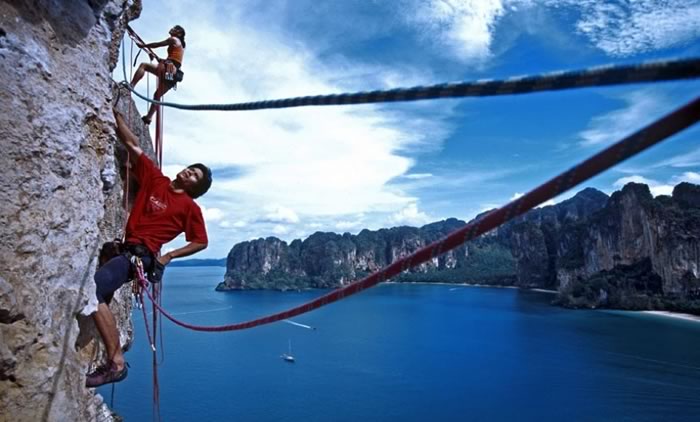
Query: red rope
x=135, y=37
x=666, y=126
x=159, y=126
x=156, y=385
x=158, y=141
x=131, y=60
x=159, y=123
x=127, y=180
x=155, y=297
x=142, y=284
x=159, y=111
x=126, y=192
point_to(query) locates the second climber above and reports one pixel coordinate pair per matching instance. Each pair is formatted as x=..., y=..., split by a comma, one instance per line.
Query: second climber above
x=168, y=70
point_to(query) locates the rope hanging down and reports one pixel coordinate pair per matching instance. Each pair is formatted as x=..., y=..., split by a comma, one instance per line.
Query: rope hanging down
x=598, y=76
x=631, y=145
x=155, y=296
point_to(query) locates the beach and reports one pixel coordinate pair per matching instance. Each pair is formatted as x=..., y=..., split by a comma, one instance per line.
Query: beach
x=678, y=315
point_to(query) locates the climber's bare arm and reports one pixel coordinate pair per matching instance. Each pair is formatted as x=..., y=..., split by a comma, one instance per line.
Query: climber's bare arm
x=164, y=43
x=127, y=137
x=187, y=250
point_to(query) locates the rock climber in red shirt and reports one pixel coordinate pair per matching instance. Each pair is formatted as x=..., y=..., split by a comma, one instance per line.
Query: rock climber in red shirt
x=163, y=209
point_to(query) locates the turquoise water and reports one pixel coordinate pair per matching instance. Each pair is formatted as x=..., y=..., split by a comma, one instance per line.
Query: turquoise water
x=411, y=353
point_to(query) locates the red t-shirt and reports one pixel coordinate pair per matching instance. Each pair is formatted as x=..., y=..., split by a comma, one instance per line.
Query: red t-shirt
x=159, y=215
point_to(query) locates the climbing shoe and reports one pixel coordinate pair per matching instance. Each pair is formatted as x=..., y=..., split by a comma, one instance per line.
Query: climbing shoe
x=106, y=374
x=146, y=120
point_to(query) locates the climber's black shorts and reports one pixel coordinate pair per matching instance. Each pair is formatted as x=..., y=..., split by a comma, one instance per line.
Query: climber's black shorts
x=112, y=275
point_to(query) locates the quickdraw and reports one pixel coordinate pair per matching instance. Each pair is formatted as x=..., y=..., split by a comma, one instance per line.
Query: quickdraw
x=138, y=285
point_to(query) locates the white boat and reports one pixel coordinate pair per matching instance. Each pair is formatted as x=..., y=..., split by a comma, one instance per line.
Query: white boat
x=287, y=357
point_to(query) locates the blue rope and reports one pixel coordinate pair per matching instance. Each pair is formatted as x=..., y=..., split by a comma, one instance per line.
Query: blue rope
x=598, y=76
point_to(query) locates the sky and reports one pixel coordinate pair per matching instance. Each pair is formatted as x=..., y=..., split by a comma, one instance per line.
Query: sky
x=289, y=173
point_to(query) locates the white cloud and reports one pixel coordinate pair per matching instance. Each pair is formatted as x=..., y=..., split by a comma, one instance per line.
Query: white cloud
x=691, y=159
x=227, y=224
x=465, y=26
x=281, y=214
x=634, y=179
x=660, y=188
x=688, y=176
x=619, y=29
x=410, y=215
x=280, y=229
x=344, y=225
x=642, y=106
x=457, y=178
x=547, y=203
x=212, y=214
x=488, y=206
x=417, y=176
x=517, y=195
x=171, y=170
x=638, y=26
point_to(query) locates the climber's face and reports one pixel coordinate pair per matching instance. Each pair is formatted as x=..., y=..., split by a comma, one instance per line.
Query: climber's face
x=189, y=178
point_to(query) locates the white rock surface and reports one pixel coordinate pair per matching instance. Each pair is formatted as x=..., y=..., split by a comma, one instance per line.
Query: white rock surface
x=60, y=198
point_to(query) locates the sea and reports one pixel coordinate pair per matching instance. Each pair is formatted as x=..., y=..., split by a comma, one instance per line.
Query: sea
x=408, y=352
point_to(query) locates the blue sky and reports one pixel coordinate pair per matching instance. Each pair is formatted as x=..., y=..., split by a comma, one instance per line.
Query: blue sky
x=289, y=173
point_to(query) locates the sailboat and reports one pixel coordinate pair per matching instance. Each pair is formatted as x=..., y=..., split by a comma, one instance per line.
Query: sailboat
x=287, y=357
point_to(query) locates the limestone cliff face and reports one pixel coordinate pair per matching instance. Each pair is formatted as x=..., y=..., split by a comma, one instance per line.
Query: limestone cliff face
x=597, y=251
x=640, y=252
x=60, y=198
x=329, y=260
x=636, y=225
x=518, y=253
x=541, y=239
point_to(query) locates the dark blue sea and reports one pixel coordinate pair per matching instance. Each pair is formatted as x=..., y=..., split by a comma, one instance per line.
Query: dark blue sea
x=410, y=353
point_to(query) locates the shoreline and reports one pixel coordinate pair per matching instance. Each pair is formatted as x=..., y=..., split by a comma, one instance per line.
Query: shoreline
x=545, y=291
x=675, y=315
x=665, y=314
x=493, y=286
x=429, y=283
